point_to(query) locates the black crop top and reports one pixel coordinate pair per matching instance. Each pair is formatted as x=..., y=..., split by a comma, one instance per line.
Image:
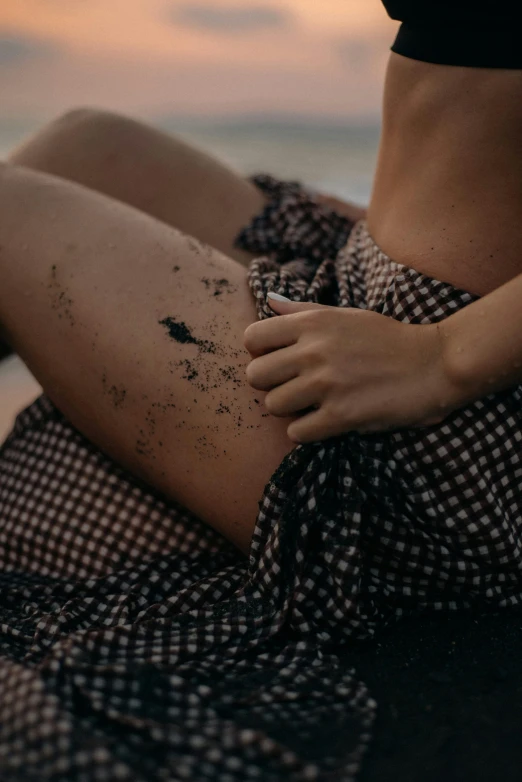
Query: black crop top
x=476, y=33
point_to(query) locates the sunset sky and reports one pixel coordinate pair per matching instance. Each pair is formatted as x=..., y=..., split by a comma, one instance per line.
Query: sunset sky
x=319, y=58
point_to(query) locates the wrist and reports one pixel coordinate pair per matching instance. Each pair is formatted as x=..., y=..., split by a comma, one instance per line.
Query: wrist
x=462, y=376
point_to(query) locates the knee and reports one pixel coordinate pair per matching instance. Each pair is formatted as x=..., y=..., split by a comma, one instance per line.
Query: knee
x=78, y=119
x=83, y=133
x=91, y=128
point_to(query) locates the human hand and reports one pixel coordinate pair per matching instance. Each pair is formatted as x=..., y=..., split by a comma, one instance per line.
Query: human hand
x=344, y=369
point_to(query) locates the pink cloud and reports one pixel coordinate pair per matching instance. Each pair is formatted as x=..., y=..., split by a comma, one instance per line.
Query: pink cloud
x=149, y=63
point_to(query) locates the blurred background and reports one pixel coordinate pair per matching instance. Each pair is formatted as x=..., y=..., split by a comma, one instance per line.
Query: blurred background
x=289, y=87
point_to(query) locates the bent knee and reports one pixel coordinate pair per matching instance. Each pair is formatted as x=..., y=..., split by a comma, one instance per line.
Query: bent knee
x=77, y=119
x=79, y=137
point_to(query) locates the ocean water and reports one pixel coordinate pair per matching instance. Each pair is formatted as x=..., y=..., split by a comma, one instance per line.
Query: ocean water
x=334, y=158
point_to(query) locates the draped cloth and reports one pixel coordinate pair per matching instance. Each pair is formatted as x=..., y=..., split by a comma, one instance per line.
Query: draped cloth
x=138, y=644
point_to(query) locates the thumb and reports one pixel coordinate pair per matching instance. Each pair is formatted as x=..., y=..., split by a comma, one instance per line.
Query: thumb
x=283, y=306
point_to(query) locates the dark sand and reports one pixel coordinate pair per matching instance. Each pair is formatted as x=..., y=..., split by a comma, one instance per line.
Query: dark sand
x=449, y=690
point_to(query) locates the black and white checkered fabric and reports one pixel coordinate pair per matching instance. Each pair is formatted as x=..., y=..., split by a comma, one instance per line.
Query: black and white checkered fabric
x=138, y=644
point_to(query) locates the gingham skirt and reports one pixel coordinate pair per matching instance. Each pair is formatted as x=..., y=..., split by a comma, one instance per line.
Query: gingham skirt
x=137, y=644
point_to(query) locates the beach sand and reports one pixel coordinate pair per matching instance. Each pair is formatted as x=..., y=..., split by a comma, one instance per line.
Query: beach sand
x=449, y=694
x=17, y=389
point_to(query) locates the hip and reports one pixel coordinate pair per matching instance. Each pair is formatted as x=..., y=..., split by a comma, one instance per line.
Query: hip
x=474, y=250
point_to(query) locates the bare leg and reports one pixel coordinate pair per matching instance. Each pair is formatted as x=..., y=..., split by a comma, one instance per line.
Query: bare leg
x=146, y=168
x=153, y=171
x=136, y=332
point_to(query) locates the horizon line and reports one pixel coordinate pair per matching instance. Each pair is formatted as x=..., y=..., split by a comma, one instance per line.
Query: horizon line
x=247, y=118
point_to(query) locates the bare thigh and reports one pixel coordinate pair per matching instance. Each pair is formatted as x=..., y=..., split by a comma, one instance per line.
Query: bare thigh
x=136, y=332
x=148, y=169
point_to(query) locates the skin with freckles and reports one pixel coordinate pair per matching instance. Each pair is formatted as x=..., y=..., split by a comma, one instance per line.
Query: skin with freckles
x=116, y=315
x=154, y=172
x=134, y=329
x=447, y=193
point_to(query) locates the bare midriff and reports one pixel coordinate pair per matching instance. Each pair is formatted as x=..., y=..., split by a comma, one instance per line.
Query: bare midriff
x=447, y=194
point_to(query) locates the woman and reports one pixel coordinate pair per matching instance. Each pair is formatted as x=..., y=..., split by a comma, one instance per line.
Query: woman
x=116, y=599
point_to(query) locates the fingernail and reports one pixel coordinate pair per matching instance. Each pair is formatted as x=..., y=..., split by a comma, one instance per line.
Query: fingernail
x=277, y=297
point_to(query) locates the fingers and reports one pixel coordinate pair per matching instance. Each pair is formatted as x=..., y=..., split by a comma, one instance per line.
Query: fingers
x=272, y=369
x=284, y=306
x=294, y=319
x=316, y=425
x=321, y=425
x=272, y=334
x=292, y=397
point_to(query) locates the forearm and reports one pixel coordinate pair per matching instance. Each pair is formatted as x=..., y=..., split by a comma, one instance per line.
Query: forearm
x=483, y=342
